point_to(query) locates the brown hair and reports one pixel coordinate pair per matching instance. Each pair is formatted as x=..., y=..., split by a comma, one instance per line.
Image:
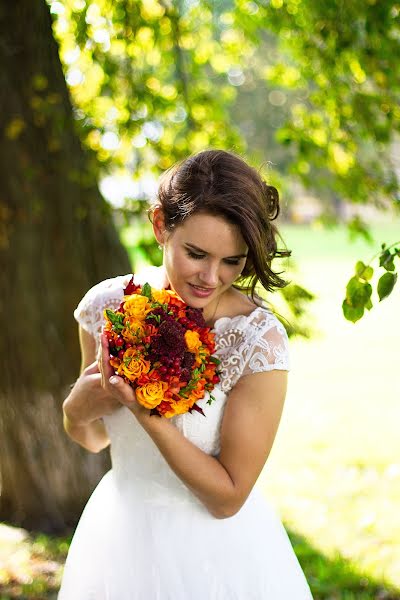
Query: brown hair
x=221, y=183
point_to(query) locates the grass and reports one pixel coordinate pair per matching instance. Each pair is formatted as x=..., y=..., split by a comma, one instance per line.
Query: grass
x=334, y=471
x=30, y=564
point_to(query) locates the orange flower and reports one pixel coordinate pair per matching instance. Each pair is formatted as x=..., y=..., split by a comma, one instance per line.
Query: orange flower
x=134, y=365
x=151, y=394
x=208, y=338
x=133, y=331
x=161, y=296
x=172, y=407
x=137, y=306
x=192, y=340
x=115, y=362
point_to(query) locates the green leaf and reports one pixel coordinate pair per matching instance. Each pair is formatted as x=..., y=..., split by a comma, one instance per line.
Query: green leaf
x=146, y=290
x=364, y=271
x=369, y=304
x=358, y=293
x=211, y=399
x=360, y=267
x=386, y=260
x=117, y=320
x=214, y=359
x=386, y=284
x=352, y=313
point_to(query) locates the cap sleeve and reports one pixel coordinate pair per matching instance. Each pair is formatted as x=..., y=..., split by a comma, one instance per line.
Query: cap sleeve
x=106, y=294
x=270, y=348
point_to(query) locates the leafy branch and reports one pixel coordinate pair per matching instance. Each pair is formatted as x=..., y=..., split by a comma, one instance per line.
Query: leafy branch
x=359, y=290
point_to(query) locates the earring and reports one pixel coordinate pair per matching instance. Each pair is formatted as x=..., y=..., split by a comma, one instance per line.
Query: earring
x=160, y=246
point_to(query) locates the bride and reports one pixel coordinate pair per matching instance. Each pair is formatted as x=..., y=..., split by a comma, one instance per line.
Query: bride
x=178, y=517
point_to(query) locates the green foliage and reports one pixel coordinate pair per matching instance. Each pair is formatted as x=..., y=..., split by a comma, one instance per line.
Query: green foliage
x=342, y=56
x=149, y=79
x=386, y=285
x=297, y=300
x=359, y=291
x=154, y=81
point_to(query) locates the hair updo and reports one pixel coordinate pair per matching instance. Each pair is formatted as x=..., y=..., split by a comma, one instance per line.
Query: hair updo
x=220, y=183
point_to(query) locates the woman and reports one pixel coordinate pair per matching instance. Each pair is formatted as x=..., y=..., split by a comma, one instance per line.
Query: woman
x=178, y=516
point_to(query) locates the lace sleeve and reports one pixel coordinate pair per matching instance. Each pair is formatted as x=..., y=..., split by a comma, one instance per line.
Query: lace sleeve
x=106, y=294
x=270, y=349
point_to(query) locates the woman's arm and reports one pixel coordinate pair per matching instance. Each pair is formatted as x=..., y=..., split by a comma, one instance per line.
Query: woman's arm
x=88, y=401
x=250, y=422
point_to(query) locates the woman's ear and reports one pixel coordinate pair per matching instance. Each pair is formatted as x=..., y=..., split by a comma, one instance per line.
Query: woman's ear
x=159, y=225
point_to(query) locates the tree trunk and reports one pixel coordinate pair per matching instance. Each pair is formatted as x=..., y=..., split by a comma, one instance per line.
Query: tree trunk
x=57, y=239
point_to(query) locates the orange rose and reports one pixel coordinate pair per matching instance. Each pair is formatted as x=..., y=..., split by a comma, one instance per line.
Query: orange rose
x=133, y=331
x=137, y=306
x=134, y=365
x=151, y=394
x=192, y=340
x=161, y=296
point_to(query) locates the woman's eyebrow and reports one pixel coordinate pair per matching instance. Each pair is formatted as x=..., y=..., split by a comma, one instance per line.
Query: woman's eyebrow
x=204, y=252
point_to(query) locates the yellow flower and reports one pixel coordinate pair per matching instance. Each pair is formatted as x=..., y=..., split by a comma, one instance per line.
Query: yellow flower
x=151, y=394
x=161, y=296
x=192, y=340
x=134, y=365
x=137, y=306
x=134, y=330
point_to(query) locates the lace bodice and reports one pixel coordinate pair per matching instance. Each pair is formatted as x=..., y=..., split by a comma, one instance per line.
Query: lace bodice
x=244, y=344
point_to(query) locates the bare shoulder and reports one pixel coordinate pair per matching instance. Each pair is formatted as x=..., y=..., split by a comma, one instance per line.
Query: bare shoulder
x=236, y=303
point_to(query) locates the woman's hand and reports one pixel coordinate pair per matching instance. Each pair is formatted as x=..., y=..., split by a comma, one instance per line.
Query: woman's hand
x=115, y=386
x=88, y=401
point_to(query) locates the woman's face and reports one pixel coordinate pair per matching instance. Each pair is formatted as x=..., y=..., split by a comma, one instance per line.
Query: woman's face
x=203, y=256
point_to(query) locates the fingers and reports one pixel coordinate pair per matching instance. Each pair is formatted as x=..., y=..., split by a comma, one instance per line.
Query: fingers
x=122, y=391
x=106, y=369
x=92, y=368
x=114, y=385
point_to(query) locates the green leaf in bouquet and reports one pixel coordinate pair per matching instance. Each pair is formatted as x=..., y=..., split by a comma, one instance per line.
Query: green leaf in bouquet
x=211, y=399
x=214, y=359
x=157, y=318
x=116, y=319
x=146, y=291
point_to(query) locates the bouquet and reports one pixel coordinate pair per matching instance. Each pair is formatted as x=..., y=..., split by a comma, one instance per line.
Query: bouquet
x=163, y=349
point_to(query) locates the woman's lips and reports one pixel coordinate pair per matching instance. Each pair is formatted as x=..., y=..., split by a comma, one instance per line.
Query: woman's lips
x=201, y=292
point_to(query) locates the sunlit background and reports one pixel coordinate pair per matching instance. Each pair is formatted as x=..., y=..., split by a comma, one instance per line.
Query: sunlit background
x=309, y=93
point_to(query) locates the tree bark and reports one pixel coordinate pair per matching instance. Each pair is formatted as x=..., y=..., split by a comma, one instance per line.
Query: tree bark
x=57, y=239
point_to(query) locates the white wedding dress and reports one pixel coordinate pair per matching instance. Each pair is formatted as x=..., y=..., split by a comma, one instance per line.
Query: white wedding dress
x=143, y=535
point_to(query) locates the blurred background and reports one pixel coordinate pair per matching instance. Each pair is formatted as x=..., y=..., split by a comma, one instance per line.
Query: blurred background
x=98, y=98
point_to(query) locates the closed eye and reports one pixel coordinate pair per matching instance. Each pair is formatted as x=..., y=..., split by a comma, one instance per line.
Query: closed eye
x=228, y=261
x=194, y=255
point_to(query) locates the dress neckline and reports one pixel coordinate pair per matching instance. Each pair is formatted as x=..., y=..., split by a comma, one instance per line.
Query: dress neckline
x=227, y=320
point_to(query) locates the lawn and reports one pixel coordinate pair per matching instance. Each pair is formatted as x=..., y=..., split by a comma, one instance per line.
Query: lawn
x=334, y=472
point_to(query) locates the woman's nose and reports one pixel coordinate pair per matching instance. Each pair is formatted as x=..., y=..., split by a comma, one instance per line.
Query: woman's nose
x=209, y=276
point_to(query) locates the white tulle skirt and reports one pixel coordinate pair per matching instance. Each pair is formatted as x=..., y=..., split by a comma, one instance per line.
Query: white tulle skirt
x=126, y=548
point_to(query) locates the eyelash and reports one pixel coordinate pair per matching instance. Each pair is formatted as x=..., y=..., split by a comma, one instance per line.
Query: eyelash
x=200, y=256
